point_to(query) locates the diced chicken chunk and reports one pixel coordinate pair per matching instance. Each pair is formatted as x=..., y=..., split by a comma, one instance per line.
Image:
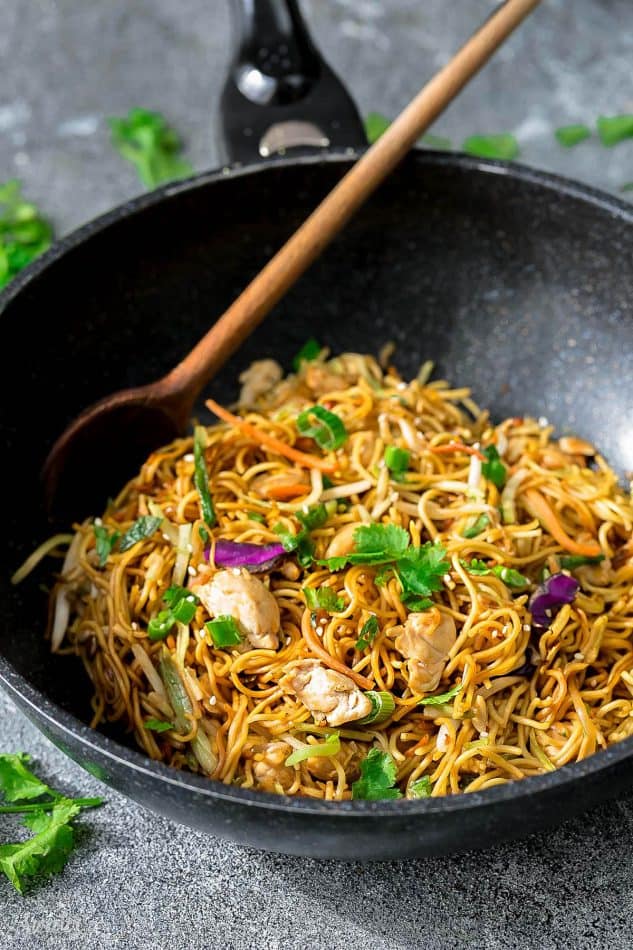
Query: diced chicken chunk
x=322, y=766
x=269, y=769
x=252, y=606
x=331, y=697
x=425, y=641
x=257, y=380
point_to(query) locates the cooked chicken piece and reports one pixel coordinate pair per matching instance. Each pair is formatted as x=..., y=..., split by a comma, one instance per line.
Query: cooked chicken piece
x=343, y=541
x=244, y=597
x=425, y=641
x=330, y=696
x=258, y=379
x=269, y=769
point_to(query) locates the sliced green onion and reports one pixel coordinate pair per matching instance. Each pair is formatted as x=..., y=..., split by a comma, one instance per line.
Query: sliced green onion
x=328, y=431
x=571, y=561
x=143, y=528
x=224, y=631
x=331, y=746
x=503, y=145
x=375, y=125
x=160, y=625
x=308, y=352
x=256, y=516
x=421, y=788
x=510, y=577
x=201, y=476
x=441, y=698
x=382, y=706
x=397, y=460
x=183, y=712
x=493, y=468
x=476, y=529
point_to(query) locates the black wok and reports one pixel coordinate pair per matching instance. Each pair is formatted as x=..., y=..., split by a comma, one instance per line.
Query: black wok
x=516, y=283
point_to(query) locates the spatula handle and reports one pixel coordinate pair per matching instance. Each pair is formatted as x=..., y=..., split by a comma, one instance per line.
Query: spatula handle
x=328, y=219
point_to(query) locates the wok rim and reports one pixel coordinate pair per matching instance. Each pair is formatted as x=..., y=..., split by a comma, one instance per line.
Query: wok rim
x=42, y=710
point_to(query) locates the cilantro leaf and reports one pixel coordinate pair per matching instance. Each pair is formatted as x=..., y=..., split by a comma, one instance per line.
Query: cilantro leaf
x=614, y=129
x=104, y=542
x=421, y=788
x=379, y=543
x=301, y=543
x=47, y=851
x=314, y=517
x=375, y=125
x=324, y=598
x=17, y=783
x=377, y=778
x=158, y=725
x=144, y=527
x=570, y=135
x=493, y=468
x=503, y=146
x=397, y=461
x=368, y=633
x=146, y=140
x=420, y=572
x=24, y=233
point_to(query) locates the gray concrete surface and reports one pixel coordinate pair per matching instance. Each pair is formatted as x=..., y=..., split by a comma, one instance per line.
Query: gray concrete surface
x=138, y=881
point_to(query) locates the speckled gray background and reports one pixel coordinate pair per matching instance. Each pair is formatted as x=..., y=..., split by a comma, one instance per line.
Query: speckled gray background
x=137, y=880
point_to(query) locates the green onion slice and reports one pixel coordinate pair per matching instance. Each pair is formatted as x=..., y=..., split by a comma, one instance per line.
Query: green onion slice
x=224, y=631
x=383, y=705
x=331, y=746
x=326, y=428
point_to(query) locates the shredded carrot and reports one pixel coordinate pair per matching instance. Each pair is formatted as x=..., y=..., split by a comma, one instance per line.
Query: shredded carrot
x=419, y=745
x=457, y=447
x=287, y=491
x=541, y=510
x=262, y=438
x=316, y=647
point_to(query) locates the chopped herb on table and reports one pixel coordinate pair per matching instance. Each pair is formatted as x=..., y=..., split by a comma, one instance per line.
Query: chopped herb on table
x=503, y=146
x=614, y=129
x=24, y=233
x=570, y=135
x=146, y=140
x=46, y=813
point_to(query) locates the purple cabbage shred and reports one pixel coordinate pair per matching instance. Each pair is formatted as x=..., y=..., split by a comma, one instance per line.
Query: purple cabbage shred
x=550, y=596
x=254, y=557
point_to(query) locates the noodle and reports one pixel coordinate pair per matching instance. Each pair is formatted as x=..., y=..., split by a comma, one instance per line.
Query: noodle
x=520, y=700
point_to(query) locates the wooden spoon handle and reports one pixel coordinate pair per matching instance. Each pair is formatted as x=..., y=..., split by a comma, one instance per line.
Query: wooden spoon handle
x=325, y=222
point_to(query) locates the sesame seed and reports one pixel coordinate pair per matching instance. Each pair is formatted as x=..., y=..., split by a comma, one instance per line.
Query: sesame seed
x=235, y=572
x=447, y=578
x=212, y=701
x=526, y=628
x=579, y=656
x=188, y=457
x=134, y=625
x=484, y=735
x=191, y=570
x=190, y=548
x=401, y=386
x=98, y=522
x=165, y=536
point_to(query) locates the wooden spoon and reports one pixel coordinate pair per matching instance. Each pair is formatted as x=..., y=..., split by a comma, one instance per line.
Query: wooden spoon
x=124, y=427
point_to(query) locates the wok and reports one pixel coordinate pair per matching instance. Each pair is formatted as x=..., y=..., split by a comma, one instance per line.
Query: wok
x=515, y=282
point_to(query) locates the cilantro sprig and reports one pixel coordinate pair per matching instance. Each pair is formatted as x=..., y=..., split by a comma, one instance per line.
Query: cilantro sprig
x=24, y=233
x=47, y=814
x=368, y=633
x=493, y=468
x=323, y=598
x=377, y=778
x=419, y=569
x=146, y=140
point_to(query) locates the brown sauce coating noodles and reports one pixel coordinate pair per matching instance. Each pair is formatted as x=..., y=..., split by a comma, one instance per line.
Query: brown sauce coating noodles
x=528, y=700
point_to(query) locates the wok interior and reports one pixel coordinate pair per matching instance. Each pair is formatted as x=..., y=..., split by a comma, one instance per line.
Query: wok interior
x=522, y=292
